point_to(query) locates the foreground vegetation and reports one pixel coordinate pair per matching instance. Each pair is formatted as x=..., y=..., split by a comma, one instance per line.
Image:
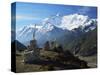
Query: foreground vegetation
x=51, y=60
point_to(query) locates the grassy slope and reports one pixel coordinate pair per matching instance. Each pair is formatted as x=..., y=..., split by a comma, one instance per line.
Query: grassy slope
x=50, y=60
x=87, y=44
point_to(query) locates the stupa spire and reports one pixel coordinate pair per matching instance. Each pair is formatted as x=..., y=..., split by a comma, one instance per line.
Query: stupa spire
x=34, y=32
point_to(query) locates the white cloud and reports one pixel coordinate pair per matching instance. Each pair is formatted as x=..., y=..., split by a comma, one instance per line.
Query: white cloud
x=26, y=17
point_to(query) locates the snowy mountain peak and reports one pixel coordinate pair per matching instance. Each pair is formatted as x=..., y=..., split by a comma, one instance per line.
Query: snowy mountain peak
x=57, y=14
x=47, y=27
x=54, y=20
x=31, y=26
x=57, y=26
x=27, y=29
x=68, y=22
x=74, y=21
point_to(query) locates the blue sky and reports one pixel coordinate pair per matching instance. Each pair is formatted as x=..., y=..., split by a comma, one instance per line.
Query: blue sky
x=30, y=13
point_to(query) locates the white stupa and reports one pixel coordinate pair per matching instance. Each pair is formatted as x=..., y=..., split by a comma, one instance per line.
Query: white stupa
x=32, y=52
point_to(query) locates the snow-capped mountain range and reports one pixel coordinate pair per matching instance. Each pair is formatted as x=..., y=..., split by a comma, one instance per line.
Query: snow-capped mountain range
x=56, y=27
x=74, y=21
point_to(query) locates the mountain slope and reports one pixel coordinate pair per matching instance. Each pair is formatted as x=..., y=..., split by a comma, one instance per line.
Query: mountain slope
x=18, y=46
x=50, y=33
x=85, y=45
x=64, y=29
x=89, y=46
x=25, y=34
